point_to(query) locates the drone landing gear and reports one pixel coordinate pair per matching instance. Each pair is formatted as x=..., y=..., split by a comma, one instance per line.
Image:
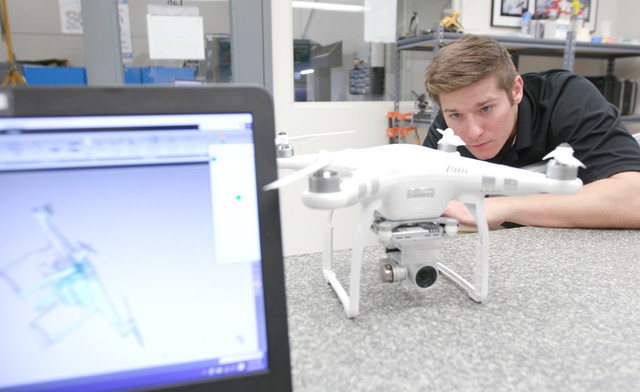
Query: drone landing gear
x=351, y=301
x=414, y=252
x=478, y=290
x=415, y=256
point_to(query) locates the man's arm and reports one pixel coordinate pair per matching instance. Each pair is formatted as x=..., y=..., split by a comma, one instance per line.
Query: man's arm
x=612, y=202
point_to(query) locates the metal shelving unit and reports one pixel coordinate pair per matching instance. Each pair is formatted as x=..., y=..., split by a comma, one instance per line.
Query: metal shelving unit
x=569, y=49
x=530, y=46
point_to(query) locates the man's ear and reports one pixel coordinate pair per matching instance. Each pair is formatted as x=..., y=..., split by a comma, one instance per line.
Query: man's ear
x=518, y=90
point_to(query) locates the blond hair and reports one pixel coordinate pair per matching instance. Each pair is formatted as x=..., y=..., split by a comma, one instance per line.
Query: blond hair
x=466, y=61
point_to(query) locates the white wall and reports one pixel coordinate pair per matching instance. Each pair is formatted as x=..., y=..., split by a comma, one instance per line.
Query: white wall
x=37, y=35
x=624, y=23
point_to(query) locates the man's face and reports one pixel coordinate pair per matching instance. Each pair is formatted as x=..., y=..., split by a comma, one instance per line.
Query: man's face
x=483, y=116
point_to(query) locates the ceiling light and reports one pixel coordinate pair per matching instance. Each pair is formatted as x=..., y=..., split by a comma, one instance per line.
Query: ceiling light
x=327, y=6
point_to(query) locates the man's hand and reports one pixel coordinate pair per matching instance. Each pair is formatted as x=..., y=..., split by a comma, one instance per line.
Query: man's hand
x=458, y=210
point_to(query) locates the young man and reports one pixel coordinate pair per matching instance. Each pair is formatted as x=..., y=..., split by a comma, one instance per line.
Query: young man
x=516, y=120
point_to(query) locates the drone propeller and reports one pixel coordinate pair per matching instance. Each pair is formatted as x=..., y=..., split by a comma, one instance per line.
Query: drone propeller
x=448, y=137
x=283, y=145
x=284, y=138
x=321, y=162
x=320, y=134
x=563, y=154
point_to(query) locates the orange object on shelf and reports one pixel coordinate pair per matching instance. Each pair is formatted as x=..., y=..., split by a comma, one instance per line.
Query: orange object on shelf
x=397, y=133
x=400, y=131
x=398, y=115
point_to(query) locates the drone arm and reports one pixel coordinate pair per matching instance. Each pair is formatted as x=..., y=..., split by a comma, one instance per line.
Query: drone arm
x=348, y=195
x=542, y=184
x=511, y=181
x=297, y=175
x=54, y=277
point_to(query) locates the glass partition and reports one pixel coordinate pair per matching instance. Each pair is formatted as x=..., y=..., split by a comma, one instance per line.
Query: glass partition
x=49, y=46
x=333, y=62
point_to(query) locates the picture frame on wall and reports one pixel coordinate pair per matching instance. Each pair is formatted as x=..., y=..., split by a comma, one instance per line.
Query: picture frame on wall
x=508, y=13
x=590, y=12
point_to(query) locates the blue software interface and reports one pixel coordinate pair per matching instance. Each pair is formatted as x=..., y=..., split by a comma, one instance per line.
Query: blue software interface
x=129, y=252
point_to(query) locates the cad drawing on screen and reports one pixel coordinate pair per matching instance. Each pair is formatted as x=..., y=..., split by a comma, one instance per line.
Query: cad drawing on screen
x=65, y=286
x=403, y=190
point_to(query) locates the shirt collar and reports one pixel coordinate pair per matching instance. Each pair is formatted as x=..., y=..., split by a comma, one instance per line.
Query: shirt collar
x=523, y=147
x=524, y=133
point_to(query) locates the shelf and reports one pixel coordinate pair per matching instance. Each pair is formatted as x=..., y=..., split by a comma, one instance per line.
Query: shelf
x=534, y=46
x=517, y=45
x=630, y=118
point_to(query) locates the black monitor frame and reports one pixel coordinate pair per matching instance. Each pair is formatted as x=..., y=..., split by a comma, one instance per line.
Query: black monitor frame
x=131, y=100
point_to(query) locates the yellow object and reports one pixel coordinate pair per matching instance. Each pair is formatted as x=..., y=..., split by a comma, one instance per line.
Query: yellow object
x=451, y=20
x=577, y=6
x=13, y=77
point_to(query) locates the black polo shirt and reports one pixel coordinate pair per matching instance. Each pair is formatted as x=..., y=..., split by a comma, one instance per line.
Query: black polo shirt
x=559, y=106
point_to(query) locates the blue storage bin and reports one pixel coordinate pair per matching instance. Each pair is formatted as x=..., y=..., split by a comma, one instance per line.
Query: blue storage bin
x=166, y=75
x=49, y=76
x=132, y=75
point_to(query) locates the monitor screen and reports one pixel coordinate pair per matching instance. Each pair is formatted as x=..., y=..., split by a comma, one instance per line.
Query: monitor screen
x=130, y=252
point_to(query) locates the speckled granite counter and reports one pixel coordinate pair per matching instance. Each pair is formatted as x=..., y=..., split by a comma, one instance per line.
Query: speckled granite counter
x=563, y=314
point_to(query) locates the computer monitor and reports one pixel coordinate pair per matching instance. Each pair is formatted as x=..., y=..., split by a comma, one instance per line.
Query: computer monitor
x=138, y=250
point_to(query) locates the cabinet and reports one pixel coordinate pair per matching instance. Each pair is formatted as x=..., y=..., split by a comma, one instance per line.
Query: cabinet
x=569, y=49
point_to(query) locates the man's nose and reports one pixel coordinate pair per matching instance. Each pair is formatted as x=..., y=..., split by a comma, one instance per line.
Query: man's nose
x=474, y=128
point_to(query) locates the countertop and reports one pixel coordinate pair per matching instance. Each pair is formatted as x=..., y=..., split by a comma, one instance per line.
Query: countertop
x=562, y=314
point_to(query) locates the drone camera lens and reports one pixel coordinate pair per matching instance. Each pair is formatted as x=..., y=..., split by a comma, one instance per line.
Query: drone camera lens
x=426, y=276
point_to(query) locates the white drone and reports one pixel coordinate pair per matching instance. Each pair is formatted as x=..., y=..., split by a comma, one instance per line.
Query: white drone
x=403, y=190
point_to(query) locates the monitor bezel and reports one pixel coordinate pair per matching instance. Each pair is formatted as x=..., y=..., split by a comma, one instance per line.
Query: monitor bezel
x=134, y=100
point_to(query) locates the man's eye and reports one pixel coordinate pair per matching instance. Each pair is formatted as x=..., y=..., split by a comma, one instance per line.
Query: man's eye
x=485, y=109
x=455, y=116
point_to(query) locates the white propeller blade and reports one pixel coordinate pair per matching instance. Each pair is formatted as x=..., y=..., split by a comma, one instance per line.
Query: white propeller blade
x=295, y=176
x=319, y=134
x=449, y=137
x=563, y=154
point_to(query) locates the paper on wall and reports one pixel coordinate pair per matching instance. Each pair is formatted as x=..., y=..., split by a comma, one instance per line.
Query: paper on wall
x=175, y=37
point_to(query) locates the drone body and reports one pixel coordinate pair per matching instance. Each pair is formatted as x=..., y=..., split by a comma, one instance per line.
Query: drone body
x=403, y=190
x=415, y=182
